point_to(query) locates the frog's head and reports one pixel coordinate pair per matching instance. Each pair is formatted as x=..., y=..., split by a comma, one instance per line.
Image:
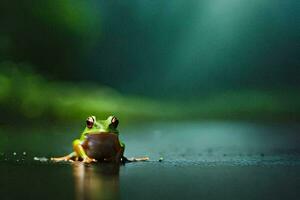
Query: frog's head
x=108, y=125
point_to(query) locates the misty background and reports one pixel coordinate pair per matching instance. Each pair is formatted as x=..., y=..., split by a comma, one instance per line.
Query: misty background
x=168, y=59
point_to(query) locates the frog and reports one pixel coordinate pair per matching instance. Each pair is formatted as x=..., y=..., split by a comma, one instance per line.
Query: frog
x=99, y=141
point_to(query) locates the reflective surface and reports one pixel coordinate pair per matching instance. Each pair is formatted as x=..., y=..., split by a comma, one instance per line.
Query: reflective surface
x=208, y=160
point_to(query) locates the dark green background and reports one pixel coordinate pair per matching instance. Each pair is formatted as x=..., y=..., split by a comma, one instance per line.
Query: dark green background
x=226, y=53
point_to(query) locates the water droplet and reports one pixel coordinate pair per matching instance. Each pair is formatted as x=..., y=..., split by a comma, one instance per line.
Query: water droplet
x=41, y=159
x=24, y=153
x=14, y=153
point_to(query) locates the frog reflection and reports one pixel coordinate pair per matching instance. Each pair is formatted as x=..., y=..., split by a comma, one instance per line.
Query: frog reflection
x=96, y=181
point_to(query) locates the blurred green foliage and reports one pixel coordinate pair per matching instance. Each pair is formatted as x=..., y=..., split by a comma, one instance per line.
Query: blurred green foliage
x=28, y=95
x=61, y=59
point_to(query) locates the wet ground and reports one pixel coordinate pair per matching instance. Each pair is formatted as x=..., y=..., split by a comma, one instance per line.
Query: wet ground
x=201, y=160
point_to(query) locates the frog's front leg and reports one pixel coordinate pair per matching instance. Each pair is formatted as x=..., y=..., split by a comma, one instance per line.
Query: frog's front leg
x=120, y=155
x=80, y=152
x=68, y=157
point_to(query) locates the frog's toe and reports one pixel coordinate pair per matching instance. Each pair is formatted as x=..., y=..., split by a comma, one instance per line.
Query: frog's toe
x=89, y=160
x=58, y=159
x=54, y=159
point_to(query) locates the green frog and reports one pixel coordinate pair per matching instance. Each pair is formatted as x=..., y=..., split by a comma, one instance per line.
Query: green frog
x=99, y=141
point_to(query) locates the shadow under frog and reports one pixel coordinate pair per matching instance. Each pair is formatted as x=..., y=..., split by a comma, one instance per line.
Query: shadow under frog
x=96, y=181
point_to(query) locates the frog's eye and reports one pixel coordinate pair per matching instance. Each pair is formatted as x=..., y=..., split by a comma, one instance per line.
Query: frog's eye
x=114, y=122
x=89, y=122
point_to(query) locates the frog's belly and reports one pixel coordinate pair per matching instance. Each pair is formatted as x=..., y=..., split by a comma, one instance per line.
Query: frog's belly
x=102, y=146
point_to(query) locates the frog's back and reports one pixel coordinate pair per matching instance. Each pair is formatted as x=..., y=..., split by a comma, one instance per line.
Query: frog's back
x=102, y=146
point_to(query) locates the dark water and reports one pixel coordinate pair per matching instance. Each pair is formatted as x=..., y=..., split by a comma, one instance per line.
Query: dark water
x=202, y=160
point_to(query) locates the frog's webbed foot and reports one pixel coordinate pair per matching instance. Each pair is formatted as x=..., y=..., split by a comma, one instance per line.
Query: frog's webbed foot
x=89, y=160
x=64, y=158
x=125, y=160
